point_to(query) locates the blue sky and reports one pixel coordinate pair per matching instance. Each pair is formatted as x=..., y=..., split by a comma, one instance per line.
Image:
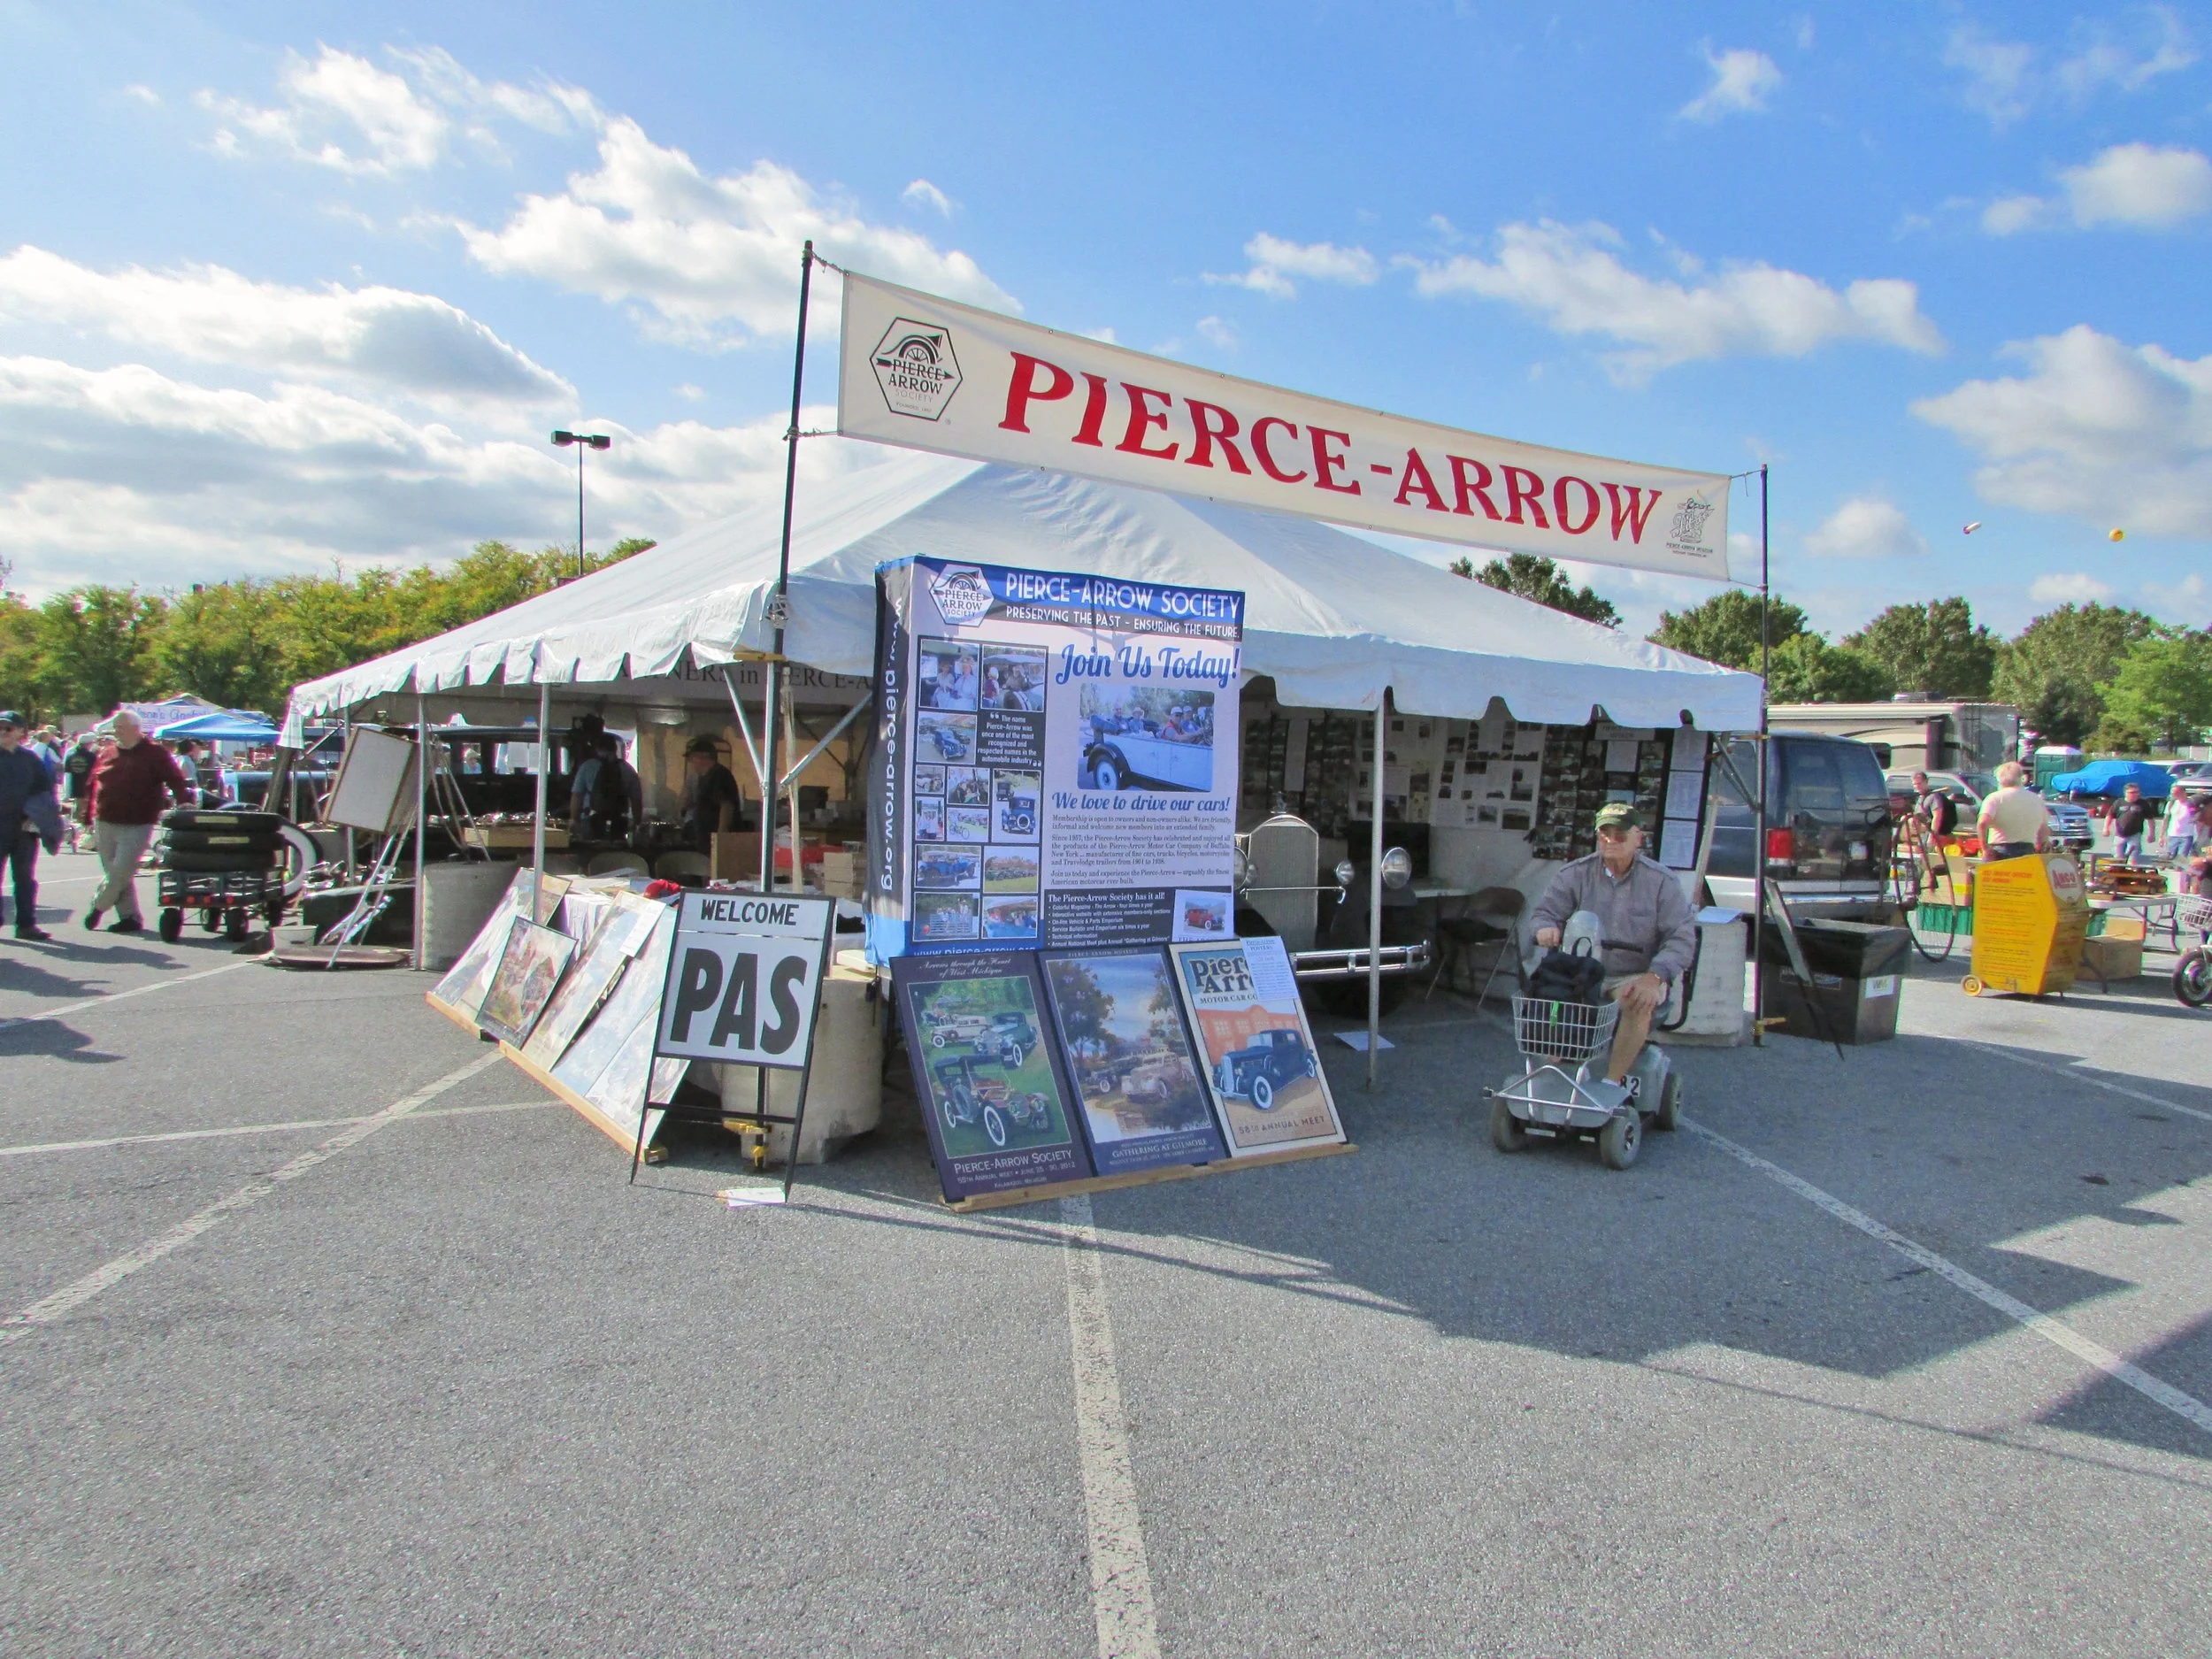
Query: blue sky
x=286, y=285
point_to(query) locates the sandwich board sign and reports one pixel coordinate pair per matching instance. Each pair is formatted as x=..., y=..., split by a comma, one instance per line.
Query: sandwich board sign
x=744, y=987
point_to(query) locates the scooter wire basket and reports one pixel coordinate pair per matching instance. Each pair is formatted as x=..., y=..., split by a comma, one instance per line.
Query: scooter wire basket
x=1562, y=1033
x=2193, y=914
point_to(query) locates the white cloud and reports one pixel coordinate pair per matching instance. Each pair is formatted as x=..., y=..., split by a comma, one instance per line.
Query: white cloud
x=1743, y=81
x=1866, y=527
x=2187, y=601
x=1274, y=262
x=129, y=475
x=692, y=394
x=414, y=342
x=2137, y=186
x=2071, y=587
x=342, y=111
x=1574, y=279
x=142, y=93
x=922, y=193
x=1218, y=332
x=2005, y=79
x=2098, y=430
x=705, y=255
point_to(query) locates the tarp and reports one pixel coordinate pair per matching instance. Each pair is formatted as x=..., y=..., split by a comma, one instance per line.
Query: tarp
x=2112, y=777
x=1335, y=619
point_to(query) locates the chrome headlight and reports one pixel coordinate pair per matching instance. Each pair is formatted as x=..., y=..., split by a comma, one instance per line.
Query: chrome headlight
x=1345, y=872
x=1397, y=867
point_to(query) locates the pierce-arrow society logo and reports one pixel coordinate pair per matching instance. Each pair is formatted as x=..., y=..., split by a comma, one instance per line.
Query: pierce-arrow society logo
x=915, y=366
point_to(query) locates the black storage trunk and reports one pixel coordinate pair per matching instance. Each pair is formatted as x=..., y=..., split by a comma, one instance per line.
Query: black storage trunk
x=1858, y=970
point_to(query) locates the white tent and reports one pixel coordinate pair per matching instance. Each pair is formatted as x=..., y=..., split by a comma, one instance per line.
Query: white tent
x=1334, y=619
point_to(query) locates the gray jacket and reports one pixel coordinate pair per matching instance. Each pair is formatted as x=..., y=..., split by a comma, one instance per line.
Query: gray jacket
x=1646, y=924
x=26, y=792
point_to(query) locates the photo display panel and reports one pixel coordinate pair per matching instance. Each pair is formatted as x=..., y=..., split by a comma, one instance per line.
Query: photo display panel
x=1057, y=762
x=1130, y=1059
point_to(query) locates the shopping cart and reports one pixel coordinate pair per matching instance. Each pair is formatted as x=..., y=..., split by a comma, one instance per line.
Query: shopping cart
x=1562, y=1091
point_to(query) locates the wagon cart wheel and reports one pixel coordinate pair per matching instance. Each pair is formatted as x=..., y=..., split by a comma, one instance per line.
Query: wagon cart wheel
x=1971, y=985
x=1508, y=1132
x=1620, y=1140
x=1670, y=1112
x=172, y=927
x=236, y=925
x=1263, y=1093
x=2192, y=978
x=211, y=919
x=995, y=1126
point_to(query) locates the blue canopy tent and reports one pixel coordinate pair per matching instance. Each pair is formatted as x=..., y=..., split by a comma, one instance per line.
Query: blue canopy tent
x=220, y=727
x=2111, y=776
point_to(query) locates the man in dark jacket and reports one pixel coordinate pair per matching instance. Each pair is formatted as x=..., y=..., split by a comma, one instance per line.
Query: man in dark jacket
x=29, y=814
x=713, y=803
x=124, y=804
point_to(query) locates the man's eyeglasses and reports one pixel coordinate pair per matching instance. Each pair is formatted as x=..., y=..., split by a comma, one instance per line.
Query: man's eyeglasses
x=1614, y=833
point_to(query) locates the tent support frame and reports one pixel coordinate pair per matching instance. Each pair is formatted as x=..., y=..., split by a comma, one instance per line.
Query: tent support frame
x=537, y=823
x=779, y=604
x=1374, y=894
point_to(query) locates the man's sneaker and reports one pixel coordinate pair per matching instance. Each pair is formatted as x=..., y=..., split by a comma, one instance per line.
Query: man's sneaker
x=38, y=935
x=126, y=925
x=92, y=921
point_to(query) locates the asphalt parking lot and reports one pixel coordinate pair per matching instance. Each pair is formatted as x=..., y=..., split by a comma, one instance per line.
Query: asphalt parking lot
x=328, y=1333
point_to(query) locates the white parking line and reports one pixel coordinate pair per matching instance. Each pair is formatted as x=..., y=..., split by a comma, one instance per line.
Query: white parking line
x=2187, y=1406
x=259, y=1129
x=1121, y=1575
x=103, y=999
x=2075, y=1074
x=71, y=1297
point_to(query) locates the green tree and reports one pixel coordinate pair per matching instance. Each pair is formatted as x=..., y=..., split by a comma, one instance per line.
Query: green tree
x=95, y=647
x=226, y=642
x=2052, y=670
x=21, y=661
x=1725, y=628
x=1807, y=669
x=2162, y=690
x=1934, y=649
x=1533, y=577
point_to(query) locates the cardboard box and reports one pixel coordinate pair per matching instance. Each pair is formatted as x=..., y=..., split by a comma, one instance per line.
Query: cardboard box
x=735, y=856
x=2106, y=958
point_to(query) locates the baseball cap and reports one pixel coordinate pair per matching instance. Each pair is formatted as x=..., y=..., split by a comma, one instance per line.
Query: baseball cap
x=9, y=717
x=1618, y=815
x=702, y=745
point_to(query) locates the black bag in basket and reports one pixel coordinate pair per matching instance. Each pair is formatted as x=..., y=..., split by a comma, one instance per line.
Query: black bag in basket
x=1559, y=977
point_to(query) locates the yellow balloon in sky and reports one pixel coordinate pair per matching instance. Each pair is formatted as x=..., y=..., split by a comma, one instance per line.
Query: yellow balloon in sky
x=2118, y=535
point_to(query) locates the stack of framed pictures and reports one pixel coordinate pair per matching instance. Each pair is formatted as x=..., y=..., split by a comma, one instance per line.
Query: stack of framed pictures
x=1075, y=1068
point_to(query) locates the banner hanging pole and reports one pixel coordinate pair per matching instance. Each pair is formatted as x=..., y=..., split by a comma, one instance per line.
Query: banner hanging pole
x=422, y=792
x=1759, y=848
x=779, y=601
x=1374, y=895
x=537, y=829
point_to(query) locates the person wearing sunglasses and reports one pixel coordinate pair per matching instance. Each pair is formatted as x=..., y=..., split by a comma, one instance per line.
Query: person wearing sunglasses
x=29, y=814
x=1647, y=929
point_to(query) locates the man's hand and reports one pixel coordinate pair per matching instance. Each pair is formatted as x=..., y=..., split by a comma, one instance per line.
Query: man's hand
x=1642, y=993
x=1547, y=936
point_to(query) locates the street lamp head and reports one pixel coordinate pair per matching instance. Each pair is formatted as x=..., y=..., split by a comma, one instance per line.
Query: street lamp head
x=598, y=441
x=564, y=439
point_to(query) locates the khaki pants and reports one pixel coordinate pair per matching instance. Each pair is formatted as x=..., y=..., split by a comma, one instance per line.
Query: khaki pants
x=120, y=847
x=1630, y=1034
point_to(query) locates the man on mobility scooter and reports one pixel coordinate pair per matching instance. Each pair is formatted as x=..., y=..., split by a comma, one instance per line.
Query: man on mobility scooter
x=1629, y=913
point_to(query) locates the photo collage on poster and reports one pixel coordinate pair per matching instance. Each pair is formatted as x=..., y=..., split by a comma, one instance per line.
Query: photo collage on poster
x=978, y=790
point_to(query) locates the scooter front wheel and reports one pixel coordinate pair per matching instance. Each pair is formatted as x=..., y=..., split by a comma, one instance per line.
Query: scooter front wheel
x=1508, y=1132
x=1620, y=1140
x=2192, y=978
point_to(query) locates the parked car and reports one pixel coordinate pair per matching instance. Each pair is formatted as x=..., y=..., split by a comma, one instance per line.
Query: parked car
x=2071, y=826
x=1829, y=827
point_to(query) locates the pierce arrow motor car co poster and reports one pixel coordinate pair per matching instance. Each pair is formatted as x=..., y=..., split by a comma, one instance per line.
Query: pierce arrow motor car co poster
x=992, y=1099
x=927, y=373
x=1131, y=1059
x=1262, y=1066
x=1056, y=762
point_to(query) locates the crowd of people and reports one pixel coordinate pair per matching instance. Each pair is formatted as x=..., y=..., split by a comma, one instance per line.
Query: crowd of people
x=2014, y=821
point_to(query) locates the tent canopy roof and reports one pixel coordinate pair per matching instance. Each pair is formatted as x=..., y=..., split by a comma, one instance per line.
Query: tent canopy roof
x=1334, y=619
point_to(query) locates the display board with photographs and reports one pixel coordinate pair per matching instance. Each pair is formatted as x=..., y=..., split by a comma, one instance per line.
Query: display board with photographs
x=1058, y=760
x=1131, y=1060
x=1261, y=1065
x=997, y=1111
x=530, y=967
x=463, y=988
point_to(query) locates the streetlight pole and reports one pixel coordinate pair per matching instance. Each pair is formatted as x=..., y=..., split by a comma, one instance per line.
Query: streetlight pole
x=583, y=440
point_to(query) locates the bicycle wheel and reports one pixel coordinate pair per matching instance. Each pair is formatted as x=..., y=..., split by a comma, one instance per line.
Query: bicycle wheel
x=1906, y=886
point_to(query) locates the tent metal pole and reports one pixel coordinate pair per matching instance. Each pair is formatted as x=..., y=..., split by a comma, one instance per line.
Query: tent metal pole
x=422, y=791
x=815, y=754
x=537, y=829
x=1374, y=895
x=779, y=602
x=744, y=722
x=790, y=790
x=345, y=743
x=1759, y=848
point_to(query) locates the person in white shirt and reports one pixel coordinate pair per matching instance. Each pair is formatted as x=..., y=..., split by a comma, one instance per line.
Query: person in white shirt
x=2013, y=822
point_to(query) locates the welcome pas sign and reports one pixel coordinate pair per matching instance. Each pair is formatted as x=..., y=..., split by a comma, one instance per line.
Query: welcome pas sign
x=927, y=373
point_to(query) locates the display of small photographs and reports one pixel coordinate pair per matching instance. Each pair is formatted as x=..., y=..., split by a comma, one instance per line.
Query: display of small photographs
x=1014, y=678
x=522, y=985
x=946, y=866
x=967, y=785
x=1010, y=870
x=944, y=737
x=1015, y=812
x=1485, y=815
x=946, y=675
x=929, y=780
x=1201, y=914
x=929, y=818
x=1010, y=918
x=967, y=824
x=942, y=916
x=1524, y=784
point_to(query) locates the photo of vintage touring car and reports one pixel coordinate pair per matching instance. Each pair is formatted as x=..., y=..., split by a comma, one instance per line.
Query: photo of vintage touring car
x=1254, y=1074
x=946, y=867
x=1007, y=1033
x=967, y=1093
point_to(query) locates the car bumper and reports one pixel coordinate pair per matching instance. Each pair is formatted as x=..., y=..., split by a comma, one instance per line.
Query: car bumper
x=1316, y=965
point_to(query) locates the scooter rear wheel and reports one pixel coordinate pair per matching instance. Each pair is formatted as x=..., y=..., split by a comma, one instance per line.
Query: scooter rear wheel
x=1508, y=1132
x=1670, y=1112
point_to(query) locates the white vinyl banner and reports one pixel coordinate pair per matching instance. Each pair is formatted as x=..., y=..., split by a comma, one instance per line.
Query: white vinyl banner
x=929, y=374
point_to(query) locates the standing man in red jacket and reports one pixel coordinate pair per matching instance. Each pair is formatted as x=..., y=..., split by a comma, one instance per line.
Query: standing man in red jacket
x=123, y=803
